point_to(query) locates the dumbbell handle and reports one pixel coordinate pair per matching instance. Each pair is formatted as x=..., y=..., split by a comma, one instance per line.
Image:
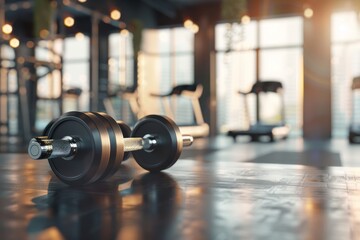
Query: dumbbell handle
x=44, y=148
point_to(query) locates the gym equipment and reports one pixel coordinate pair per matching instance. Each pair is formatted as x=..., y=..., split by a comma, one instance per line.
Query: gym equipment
x=279, y=130
x=126, y=93
x=126, y=131
x=354, y=128
x=193, y=92
x=85, y=147
x=73, y=94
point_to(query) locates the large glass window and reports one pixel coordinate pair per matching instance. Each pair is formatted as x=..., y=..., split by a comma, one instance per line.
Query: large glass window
x=121, y=75
x=9, y=115
x=49, y=83
x=345, y=36
x=121, y=59
x=270, y=49
x=280, y=32
x=75, y=54
x=167, y=60
x=236, y=71
x=76, y=67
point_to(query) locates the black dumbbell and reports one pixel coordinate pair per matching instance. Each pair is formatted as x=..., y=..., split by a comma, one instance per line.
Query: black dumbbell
x=125, y=129
x=85, y=147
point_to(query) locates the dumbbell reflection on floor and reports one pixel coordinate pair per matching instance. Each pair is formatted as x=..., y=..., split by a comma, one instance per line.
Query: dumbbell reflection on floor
x=85, y=147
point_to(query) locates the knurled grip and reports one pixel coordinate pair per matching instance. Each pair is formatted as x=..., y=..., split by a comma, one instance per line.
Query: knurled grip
x=61, y=148
x=42, y=148
x=133, y=144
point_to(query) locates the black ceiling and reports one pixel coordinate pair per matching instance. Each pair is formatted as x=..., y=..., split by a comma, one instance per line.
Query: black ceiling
x=152, y=13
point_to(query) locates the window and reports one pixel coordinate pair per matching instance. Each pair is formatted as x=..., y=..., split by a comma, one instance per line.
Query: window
x=49, y=84
x=121, y=59
x=9, y=114
x=121, y=73
x=76, y=67
x=278, y=45
x=281, y=57
x=345, y=36
x=167, y=60
x=236, y=71
x=75, y=52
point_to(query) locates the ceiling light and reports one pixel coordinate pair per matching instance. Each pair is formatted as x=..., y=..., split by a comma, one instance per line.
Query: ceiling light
x=69, y=21
x=30, y=44
x=245, y=19
x=188, y=23
x=7, y=28
x=79, y=36
x=308, y=13
x=106, y=19
x=115, y=14
x=44, y=33
x=194, y=28
x=14, y=42
x=124, y=32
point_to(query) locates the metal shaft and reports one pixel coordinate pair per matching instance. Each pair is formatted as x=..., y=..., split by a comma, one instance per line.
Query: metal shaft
x=44, y=148
x=132, y=144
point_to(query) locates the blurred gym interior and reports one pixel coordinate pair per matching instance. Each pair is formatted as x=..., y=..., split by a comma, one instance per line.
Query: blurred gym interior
x=269, y=89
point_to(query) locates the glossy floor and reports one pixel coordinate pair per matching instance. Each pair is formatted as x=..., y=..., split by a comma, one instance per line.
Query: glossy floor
x=217, y=190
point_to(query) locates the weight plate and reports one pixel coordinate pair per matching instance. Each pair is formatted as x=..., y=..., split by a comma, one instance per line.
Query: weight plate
x=169, y=142
x=105, y=146
x=116, y=143
x=126, y=131
x=93, y=152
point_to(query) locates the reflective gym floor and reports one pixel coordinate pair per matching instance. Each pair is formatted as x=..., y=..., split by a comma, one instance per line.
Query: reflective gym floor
x=218, y=189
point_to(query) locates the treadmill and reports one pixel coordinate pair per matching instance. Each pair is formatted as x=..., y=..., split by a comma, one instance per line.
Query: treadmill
x=260, y=129
x=354, y=128
x=130, y=94
x=193, y=92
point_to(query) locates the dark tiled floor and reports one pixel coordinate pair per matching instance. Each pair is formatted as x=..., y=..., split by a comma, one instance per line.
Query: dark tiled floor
x=214, y=191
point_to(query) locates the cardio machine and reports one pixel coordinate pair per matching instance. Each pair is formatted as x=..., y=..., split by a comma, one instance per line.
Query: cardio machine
x=192, y=92
x=262, y=129
x=354, y=128
x=129, y=94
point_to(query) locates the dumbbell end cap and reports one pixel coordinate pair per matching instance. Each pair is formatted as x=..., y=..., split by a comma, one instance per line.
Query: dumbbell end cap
x=34, y=150
x=38, y=148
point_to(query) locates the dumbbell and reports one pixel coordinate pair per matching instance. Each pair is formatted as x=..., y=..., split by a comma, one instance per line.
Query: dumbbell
x=125, y=129
x=85, y=147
